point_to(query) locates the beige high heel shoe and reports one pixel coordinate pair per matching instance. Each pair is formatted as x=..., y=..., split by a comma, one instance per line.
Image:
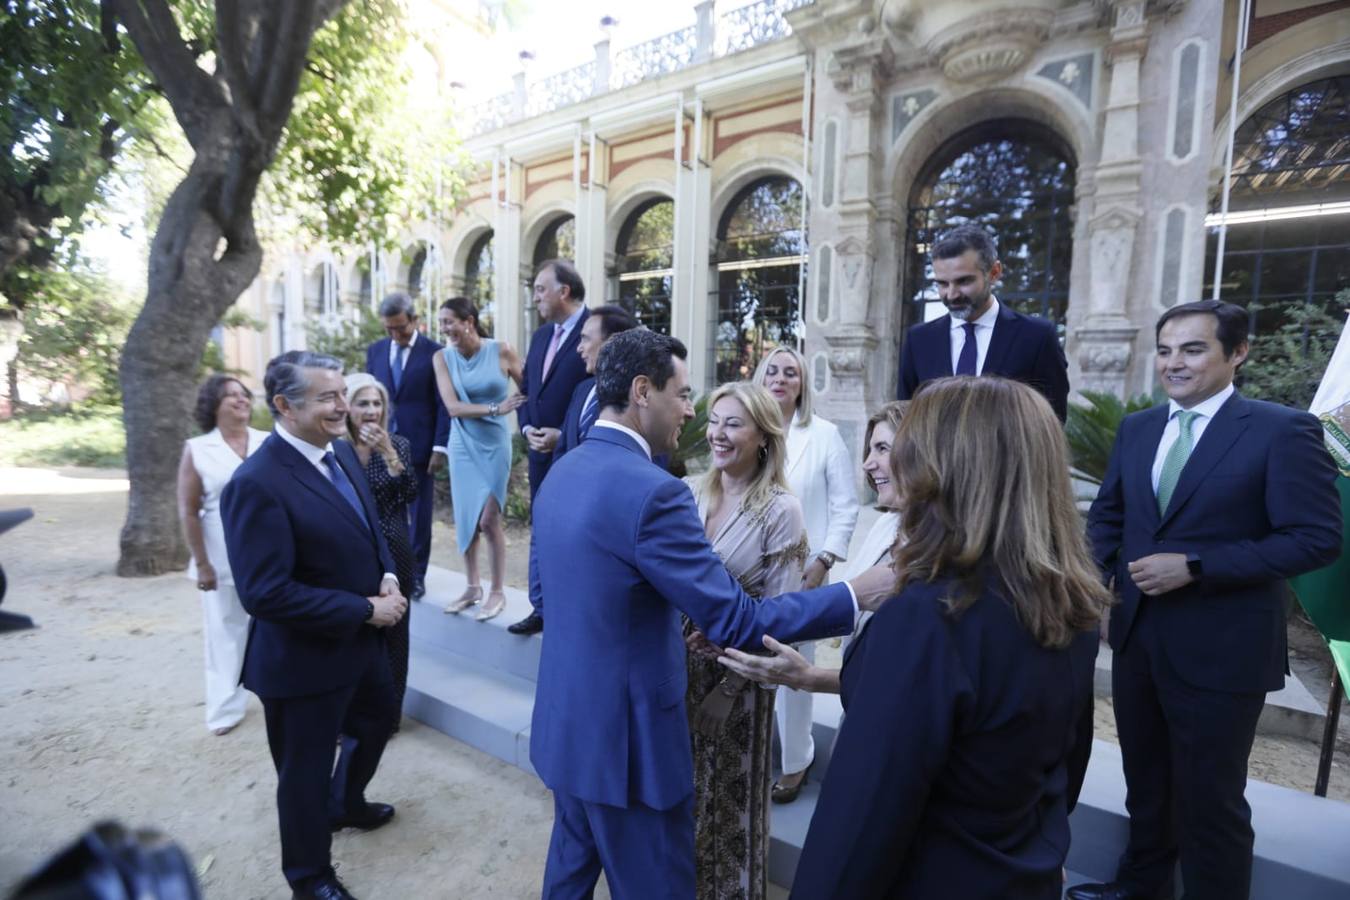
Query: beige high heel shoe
x=496, y=602
x=472, y=594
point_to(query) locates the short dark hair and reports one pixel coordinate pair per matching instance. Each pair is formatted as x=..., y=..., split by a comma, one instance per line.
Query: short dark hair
x=464, y=310
x=964, y=238
x=629, y=354
x=208, y=399
x=1233, y=319
x=613, y=320
x=567, y=276
x=286, y=375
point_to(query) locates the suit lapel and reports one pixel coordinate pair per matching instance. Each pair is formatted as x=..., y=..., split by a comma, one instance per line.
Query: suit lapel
x=308, y=476
x=1006, y=327
x=380, y=365
x=937, y=348
x=797, y=441
x=1220, y=435
x=1141, y=462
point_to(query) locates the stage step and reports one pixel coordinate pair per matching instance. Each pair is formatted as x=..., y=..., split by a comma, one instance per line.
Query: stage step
x=474, y=681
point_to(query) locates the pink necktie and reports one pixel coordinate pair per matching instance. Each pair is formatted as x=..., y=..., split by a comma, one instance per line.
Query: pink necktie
x=552, y=349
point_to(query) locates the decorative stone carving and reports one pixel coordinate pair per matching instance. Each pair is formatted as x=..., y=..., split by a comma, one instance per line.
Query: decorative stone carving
x=905, y=107
x=990, y=40
x=1104, y=356
x=1074, y=74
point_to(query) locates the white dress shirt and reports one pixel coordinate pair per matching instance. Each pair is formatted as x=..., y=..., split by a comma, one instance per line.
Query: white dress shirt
x=984, y=333
x=393, y=353
x=1206, y=410
x=314, y=456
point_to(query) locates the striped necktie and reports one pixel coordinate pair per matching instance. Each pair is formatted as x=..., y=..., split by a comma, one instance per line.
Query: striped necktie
x=1175, y=460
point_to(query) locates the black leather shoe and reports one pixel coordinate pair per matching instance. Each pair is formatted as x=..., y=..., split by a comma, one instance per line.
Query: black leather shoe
x=375, y=815
x=326, y=887
x=419, y=590
x=531, y=624
x=1110, y=891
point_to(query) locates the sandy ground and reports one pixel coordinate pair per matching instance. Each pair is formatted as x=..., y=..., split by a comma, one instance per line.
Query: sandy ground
x=102, y=713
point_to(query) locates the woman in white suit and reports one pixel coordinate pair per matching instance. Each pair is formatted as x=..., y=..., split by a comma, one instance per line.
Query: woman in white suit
x=819, y=473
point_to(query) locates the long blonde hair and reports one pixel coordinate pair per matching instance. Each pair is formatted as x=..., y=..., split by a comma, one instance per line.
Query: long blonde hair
x=770, y=472
x=804, y=399
x=983, y=474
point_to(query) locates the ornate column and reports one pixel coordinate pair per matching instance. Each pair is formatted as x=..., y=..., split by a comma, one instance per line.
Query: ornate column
x=1106, y=336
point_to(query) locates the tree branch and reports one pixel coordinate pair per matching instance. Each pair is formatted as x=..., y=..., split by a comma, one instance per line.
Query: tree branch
x=295, y=26
x=231, y=49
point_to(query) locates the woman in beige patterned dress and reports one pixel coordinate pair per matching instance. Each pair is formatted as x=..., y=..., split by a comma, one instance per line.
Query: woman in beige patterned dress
x=756, y=526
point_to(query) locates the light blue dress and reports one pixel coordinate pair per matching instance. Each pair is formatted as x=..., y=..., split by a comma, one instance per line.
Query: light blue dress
x=480, y=448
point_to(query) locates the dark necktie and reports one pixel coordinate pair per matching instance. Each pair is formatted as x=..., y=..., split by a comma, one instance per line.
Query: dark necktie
x=588, y=416
x=965, y=363
x=399, y=359
x=344, y=486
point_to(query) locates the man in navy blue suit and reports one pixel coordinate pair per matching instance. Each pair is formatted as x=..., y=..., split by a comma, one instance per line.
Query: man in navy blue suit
x=621, y=554
x=403, y=364
x=1209, y=503
x=979, y=335
x=552, y=367
x=603, y=323
x=313, y=570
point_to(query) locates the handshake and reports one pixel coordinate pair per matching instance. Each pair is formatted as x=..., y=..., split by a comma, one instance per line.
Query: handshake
x=390, y=605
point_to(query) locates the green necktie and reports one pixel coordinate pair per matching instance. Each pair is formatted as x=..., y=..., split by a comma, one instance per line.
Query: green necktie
x=1175, y=460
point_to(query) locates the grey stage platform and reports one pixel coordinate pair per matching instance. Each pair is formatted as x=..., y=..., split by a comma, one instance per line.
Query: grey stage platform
x=475, y=682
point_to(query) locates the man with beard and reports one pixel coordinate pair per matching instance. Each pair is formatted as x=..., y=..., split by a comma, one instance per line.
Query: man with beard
x=980, y=336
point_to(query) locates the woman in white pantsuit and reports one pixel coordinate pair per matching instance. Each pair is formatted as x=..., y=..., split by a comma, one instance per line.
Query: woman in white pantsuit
x=822, y=478
x=223, y=409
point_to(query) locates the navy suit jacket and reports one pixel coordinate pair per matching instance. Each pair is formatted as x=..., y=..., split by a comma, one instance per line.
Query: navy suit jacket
x=951, y=776
x=549, y=397
x=304, y=564
x=571, y=424
x=621, y=554
x=1256, y=503
x=1023, y=348
x=418, y=412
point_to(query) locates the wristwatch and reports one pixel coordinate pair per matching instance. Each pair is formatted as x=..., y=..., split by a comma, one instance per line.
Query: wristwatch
x=494, y=409
x=828, y=558
x=1193, y=565
x=370, y=611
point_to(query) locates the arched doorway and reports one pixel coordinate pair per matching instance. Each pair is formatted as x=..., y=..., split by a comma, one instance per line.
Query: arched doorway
x=557, y=241
x=478, y=277
x=645, y=256
x=1291, y=167
x=1016, y=178
x=761, y=248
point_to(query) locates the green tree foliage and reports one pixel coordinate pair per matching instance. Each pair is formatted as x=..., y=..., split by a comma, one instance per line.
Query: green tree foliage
x=346, y=339
x=1287, y=366
x=1091, y=430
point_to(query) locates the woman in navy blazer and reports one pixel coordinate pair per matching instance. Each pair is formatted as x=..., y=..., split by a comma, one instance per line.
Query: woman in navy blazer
x=968, y=693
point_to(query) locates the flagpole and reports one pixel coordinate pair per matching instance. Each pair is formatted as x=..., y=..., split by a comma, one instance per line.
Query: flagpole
x=1244, y=12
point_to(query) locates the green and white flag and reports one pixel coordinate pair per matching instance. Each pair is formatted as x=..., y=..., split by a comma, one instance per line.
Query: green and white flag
x=1325, y=594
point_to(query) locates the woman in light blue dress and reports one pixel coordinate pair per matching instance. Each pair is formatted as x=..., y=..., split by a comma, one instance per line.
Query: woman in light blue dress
x=474, y=377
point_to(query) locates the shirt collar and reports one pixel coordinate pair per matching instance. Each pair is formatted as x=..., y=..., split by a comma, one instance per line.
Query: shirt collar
x=393, y=344
x=641, y=441
x=986, y=319
x=571, y=321
x=1206, y=408
x=307, y=450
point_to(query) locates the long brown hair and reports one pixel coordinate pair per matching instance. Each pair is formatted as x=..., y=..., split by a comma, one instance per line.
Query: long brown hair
x=982, y=469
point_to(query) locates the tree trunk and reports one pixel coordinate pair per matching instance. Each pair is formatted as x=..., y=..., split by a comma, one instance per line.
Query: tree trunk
x=190, y=289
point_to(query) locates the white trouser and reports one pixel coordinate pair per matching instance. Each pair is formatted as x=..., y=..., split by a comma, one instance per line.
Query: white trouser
x=225, y=629
x=792, y=713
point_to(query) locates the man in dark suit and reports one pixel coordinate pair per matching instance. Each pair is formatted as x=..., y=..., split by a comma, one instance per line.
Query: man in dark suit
x=1209, y=503
x=582, y=411
x=403, y=364
x=980, y=336
x=623, y=553
x=313, y=570
x=552, y=367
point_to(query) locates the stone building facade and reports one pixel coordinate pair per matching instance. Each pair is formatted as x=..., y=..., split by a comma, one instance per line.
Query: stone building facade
x=775, y=172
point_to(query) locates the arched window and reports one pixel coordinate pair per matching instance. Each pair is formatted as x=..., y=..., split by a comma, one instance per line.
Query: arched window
x=759, y=256
x=1286, y=242
x=1016, y=178
x=478, y=275
x=559, y=241
x=417, y=272
x=321, y=291
x=645, y=257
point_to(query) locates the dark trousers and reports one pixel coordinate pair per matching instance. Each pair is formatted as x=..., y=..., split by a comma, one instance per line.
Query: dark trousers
x=302, y=733
x=420, y=511
x=1185, y=751
x=646, y=854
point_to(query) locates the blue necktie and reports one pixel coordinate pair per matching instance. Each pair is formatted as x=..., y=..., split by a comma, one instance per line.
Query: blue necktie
x=588, y=416
x=965, y=363
x=344, y=486
x=398, y=366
